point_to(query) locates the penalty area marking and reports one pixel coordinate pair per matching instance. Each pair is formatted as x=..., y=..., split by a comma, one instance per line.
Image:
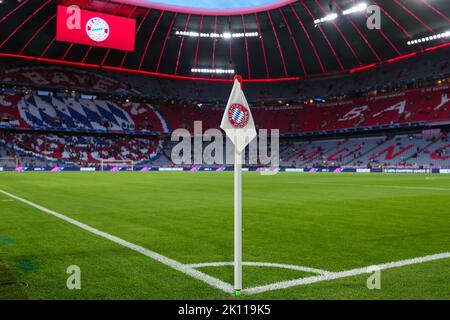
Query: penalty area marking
x=189, y=269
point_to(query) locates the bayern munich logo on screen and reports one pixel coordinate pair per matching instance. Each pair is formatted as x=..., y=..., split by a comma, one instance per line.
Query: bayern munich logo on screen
x=238, y=115
x=97, y=29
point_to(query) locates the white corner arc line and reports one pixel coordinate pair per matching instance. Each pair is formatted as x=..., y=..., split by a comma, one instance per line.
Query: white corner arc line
x=261, y=264
x=344, y=274
x=214, y=282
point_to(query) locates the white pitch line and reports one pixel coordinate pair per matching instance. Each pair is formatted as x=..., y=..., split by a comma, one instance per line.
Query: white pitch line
x=214, y=282
x=219, y=284
x=261, y=264
x=6, y=200
x=344, y=274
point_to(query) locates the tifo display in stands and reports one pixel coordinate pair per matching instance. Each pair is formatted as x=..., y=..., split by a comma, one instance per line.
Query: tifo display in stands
x=25, y=111
x=36, y=99
x=61, y=111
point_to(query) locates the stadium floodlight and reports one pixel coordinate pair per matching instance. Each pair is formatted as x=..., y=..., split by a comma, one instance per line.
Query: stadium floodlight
x=360, y=7
x=215, y=35
x=357, y=8
x=429, y=38
x=329, y=17
x=212, y=70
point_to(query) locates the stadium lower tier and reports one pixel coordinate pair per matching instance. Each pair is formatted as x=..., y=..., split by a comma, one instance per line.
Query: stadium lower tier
x=400, y=151
x=75, y=150
x=63, y=113
x=425, y=150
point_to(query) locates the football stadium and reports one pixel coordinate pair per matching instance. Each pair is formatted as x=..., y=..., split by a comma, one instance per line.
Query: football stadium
x=225, y=150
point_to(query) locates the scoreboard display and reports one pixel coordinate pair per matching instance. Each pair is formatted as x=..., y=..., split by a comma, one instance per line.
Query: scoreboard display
x=75, y=25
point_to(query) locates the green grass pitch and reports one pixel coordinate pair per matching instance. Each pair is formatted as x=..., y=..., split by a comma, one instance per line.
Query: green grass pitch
x=333, y=222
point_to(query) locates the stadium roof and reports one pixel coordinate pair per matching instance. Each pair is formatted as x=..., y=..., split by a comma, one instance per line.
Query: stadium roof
x=290, y=43
x=210, y=7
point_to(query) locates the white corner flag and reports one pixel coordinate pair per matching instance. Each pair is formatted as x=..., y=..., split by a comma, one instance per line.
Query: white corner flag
x=237, y=122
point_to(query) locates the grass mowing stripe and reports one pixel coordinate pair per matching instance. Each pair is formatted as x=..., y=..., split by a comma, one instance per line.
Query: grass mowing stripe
x=219, y=284
x=374, y=186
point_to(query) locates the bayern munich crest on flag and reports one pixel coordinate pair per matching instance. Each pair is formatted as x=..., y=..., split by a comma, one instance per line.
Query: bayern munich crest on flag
x=238, y=115
x=237, y=120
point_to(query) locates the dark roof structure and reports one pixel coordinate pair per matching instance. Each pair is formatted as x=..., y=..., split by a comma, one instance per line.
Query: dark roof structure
x=289, y=45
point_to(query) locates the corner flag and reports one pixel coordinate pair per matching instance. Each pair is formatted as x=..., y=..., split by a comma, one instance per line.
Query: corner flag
x=237, y=122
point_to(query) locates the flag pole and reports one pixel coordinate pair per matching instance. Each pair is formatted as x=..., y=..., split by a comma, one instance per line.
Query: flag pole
x=237, y=222
x=237, y=214
x=237, y=122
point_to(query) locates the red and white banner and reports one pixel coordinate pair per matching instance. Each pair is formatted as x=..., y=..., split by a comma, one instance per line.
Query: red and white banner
x=95, y=29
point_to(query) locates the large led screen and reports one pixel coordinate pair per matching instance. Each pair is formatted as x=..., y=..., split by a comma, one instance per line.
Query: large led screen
x=95, y=29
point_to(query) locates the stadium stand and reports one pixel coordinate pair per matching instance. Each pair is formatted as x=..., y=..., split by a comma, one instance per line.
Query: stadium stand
x=413, y=151
x=25, y=111
x=417, y=106
x=384, y=78
x=78, y=150
x=53, y=115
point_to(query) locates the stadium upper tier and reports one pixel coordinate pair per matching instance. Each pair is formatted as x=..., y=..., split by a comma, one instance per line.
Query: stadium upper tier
x=417, y=107
x=431, y=66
